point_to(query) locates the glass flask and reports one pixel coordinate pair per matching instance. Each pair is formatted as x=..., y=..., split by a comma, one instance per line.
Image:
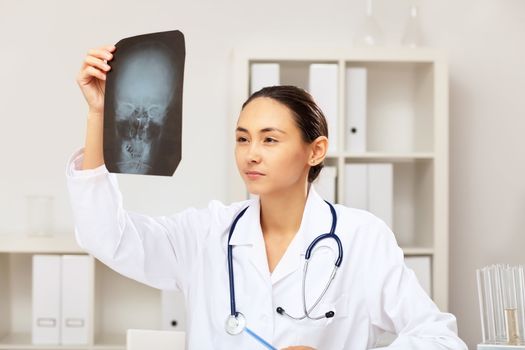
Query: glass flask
x=369, y=33
x=412, y=33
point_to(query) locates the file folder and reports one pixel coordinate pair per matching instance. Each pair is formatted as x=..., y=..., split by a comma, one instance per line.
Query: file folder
x=46, y=299
x=150, y=339
x=356, y=186
x=173, y=311
x=323, y=86
x=77, y=298
x=422, y=267
x=263, y=75
x=356, y=99
x=380, y=191
x=325, y=184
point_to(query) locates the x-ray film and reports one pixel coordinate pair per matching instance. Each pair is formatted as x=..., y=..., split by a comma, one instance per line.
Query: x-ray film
x=143, y=105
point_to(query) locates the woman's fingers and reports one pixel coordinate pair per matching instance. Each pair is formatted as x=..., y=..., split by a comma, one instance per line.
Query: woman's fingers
x=90, y=70
x=102, y=53
x=95, y=64
x=98, y=63
x=87, y=73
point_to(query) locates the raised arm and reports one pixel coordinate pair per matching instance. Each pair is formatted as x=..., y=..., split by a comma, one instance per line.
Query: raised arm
x=153, y=250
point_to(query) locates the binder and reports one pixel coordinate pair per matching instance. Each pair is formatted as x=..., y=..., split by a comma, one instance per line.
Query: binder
x=77, y=298
x=325, y=184
x=264, y=74
x=356, y=186
x=356, y=99
x=380, y=191
x=173, y=311
x=422, y=267
x=46, y=299
x=323, y=86
x=147, y=339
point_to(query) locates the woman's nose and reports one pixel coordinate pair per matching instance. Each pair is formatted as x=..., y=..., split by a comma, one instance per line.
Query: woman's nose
x=253, y=155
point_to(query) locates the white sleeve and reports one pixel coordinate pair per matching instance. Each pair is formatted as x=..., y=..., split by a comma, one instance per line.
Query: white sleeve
x=156, y=251
x=398, y=304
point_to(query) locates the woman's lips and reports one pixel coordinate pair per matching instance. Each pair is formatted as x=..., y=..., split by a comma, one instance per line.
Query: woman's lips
x=254, y=175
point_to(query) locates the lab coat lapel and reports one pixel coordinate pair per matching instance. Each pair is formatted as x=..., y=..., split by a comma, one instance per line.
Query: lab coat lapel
x=316, y=220
x=248, y=232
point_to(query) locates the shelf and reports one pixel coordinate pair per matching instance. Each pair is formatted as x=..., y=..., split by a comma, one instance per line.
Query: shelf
x=17, y=341
x=406, y=125
x=260, y=53
x=19, y=243
x=411, y=251
x=383, y=156
x=20, y=341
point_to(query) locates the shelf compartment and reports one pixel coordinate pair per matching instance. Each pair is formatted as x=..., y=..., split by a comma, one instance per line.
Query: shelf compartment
x=412, y=211
x=115, y=296
x=399, y=108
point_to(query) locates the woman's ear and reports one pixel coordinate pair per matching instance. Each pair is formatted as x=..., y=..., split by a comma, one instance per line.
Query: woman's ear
x=318, y=148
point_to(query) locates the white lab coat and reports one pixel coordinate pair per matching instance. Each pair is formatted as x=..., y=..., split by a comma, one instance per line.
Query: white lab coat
x=372, y=292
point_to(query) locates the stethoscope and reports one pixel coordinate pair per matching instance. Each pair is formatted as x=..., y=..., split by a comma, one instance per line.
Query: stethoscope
x=236, y=322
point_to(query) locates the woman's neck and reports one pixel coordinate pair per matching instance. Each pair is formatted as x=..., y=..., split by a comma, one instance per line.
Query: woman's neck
x=282, y=212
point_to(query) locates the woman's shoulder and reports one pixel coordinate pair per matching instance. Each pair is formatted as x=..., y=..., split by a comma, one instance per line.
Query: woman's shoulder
x=223, y=212
x=356, y=215
x=363, y=221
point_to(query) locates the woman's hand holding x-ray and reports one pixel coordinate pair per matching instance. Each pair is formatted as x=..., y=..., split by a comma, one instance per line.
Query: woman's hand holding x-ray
x=92, y=82
x=92, y=77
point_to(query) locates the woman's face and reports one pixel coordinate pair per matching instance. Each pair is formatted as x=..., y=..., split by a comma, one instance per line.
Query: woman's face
x=269, y=142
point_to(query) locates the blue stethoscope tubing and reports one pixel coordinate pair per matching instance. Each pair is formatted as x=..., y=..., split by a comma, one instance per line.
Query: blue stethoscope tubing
x=236, y=322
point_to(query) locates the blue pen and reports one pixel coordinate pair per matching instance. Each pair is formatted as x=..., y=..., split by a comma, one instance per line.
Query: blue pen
x=259, y=339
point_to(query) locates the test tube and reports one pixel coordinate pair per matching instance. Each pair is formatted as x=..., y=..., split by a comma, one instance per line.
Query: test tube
x=485, y=305
x=491, y=326
x=499, y=315
x=520, y=301
x=482, y=297
x=509, y=305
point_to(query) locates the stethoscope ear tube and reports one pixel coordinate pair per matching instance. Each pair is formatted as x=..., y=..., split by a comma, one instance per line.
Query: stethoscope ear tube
x=233, y=309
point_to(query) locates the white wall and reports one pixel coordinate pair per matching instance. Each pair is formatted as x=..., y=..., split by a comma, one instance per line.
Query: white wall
x=42, y=44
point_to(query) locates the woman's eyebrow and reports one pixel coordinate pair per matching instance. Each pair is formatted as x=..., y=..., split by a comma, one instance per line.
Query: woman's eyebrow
x=239, y=128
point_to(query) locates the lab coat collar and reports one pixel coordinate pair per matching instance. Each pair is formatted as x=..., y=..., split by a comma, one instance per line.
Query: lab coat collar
x=316, y=220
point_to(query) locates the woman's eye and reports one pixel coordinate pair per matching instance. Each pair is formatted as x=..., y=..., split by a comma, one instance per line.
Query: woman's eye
x=271, y=140
x=241, y=139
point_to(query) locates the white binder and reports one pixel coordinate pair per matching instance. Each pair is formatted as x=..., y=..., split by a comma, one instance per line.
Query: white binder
x=325, y=184
x=323, y=86
x=355, y=132
x=46, y=299
x=380, y=191
x=422, y=267
x=77, y=298
x=264, y=74
x=173, y=311
x=356, y=186
x=148, y=339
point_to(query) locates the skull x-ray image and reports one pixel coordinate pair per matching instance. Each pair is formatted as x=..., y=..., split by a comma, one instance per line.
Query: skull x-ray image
x=143, y=104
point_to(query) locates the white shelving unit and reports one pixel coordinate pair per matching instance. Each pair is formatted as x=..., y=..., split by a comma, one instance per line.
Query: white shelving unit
x=407, y=126
x=120, y=303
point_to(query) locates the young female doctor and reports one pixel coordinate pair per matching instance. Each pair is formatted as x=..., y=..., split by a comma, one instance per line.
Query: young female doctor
x=286, y=270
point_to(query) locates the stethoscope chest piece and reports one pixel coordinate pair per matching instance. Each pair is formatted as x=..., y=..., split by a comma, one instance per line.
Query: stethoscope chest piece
x=235, y=324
